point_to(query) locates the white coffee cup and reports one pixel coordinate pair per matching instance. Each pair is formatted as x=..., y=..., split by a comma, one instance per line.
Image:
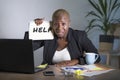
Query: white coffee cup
x=91, y=58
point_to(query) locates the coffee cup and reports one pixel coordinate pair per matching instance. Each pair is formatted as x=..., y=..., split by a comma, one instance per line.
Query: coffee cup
x=91, y=58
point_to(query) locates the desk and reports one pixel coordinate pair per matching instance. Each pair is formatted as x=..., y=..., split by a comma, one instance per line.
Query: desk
x=112, y=75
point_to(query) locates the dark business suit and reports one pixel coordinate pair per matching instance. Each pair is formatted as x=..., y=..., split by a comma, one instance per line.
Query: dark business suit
x=78, y=43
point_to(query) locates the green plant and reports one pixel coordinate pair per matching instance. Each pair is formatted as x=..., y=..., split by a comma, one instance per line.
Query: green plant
x=103, y=14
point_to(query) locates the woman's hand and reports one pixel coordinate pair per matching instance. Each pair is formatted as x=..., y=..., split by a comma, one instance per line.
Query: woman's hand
x=39, y=21
x=67, y=63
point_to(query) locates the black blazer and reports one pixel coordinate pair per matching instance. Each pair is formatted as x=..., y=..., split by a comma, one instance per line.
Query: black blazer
x=78, y=43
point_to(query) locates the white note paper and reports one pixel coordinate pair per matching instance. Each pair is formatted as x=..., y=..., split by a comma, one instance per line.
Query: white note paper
x=40, y=32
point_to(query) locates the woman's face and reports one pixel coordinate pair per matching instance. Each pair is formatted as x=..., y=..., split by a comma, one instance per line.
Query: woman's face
x=61, y=26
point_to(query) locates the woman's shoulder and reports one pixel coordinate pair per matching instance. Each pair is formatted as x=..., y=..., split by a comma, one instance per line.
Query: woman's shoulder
x=78, y=32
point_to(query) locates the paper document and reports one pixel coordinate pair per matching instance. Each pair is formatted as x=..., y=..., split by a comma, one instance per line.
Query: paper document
x=86, y=70
x=72, y=68
x=92, y=67
x=40, y=32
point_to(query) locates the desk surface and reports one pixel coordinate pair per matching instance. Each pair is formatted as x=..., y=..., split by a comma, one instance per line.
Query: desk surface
x=112, y=75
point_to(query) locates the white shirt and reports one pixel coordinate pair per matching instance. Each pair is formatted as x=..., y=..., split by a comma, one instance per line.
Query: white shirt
x=61, y=55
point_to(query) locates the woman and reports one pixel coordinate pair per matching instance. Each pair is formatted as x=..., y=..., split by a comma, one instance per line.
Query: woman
x=68, y=46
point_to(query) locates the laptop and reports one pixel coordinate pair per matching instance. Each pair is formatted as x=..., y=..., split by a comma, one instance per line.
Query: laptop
x=16, y=55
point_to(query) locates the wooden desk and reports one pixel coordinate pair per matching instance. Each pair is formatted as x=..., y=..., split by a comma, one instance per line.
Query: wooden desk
x=112, y=75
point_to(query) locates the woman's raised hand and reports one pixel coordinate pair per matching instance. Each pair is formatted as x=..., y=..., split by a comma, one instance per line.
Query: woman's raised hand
x=38, y=21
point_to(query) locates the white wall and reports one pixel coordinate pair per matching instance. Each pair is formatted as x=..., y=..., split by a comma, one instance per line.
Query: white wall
x=15, y=14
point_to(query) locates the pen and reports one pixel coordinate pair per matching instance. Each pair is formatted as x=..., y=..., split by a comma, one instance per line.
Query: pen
x=75, y=68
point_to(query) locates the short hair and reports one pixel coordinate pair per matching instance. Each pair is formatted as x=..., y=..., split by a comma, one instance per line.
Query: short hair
x=59, y=13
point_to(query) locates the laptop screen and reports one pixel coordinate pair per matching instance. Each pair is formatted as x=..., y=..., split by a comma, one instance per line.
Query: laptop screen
x=16, y=55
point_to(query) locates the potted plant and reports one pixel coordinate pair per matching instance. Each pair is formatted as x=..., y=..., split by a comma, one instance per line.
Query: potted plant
x=103, y=16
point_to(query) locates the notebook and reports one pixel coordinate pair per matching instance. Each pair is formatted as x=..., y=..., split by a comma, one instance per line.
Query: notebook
x=16, y=55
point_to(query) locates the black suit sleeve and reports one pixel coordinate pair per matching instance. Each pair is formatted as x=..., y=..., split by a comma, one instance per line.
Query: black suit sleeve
x=88, y=46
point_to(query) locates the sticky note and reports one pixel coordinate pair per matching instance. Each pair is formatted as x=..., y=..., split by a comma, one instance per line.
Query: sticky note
x=78, y=72
x=97, y=68
x=42, y=66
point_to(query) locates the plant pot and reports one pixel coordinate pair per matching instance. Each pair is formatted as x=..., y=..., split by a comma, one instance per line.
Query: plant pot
x=106, y=42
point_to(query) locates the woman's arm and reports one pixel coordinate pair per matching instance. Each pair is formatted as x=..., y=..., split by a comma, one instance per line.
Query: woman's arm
x=68, y=63
x=88, y=46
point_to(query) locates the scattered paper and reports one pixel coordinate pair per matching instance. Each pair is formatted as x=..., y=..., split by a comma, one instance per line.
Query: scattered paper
x=86, y=70
x=93, y=67
x=92, y=73
x=92, y=70
x=72, y=68
x=41, y=32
